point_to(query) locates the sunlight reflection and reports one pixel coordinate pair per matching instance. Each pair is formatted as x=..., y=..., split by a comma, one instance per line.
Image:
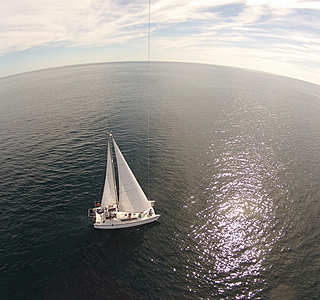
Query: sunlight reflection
x=232, y=243
x=235, y=232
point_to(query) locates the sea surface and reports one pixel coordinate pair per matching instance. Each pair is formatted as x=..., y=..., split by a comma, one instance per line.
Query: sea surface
x=232, y=158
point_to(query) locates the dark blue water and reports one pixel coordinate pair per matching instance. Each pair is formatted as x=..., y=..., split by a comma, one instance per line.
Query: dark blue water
x=234, y=167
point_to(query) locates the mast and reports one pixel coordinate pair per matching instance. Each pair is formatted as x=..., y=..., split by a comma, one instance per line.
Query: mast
x=113, y=172
x=148, y=121
x=109, y=196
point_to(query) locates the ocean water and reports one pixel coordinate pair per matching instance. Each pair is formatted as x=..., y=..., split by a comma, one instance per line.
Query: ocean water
x=234, y=167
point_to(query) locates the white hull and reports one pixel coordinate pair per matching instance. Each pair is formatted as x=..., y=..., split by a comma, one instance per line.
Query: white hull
x=116, y=224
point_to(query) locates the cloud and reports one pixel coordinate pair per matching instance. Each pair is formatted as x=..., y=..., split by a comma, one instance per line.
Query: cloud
x=83, y=22
x=92, y=22
x=282, y=31
x=97, y=23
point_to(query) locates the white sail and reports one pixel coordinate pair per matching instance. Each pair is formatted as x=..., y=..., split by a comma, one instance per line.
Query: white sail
x=109, y=196
x=131, y=195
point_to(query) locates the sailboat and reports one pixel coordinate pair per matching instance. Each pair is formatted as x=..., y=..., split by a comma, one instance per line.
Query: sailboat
x=127, y=208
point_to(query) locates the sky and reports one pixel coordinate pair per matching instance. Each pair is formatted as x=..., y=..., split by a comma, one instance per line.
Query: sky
x=275, y=36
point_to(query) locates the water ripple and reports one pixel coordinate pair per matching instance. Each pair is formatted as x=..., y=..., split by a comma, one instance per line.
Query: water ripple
x=238, y=226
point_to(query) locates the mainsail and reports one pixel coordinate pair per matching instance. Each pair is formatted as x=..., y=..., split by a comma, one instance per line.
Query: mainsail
x=109, y=196
x=131, y=195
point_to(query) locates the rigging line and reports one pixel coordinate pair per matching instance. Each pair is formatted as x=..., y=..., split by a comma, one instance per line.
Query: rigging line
x=149, y=33
x=148, y=155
